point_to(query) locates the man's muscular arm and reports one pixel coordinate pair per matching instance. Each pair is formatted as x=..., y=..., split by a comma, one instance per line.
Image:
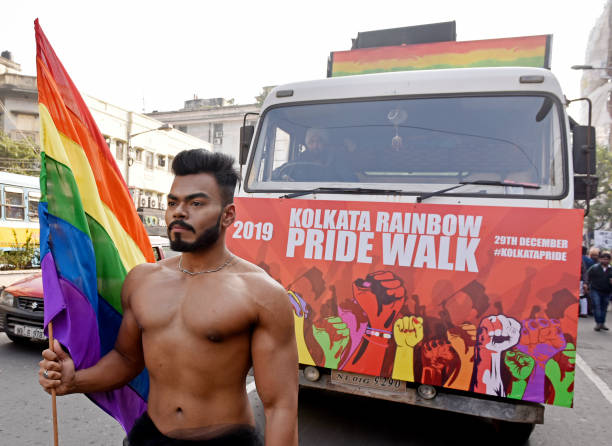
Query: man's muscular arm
x=275, y=365
x=115, y=369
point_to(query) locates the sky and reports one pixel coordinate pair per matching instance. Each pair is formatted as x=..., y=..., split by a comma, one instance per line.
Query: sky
x=154, y=55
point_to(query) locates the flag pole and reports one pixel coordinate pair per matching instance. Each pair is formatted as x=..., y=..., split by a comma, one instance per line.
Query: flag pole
x=53, y=395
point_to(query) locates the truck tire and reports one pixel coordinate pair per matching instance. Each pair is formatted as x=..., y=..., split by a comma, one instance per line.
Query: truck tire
x=511, y=433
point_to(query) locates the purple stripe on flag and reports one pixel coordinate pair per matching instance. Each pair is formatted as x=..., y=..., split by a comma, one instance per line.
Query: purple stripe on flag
x=74, y=321
x=75, y=326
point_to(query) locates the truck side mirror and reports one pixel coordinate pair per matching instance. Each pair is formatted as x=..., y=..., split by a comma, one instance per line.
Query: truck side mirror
x=582, y=184
x=246, y=135
x=583, y=150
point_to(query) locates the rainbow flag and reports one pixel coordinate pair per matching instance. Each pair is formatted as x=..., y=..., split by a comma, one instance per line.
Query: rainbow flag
x=90, y=234
x=528, y=51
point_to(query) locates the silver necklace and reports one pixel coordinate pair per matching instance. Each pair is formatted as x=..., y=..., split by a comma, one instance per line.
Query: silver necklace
x=195, y=273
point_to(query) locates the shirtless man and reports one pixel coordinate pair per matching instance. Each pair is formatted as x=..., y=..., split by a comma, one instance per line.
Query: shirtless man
x=198, y=322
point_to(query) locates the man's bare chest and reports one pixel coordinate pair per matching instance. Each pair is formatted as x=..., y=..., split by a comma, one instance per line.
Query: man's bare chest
x=206, y=309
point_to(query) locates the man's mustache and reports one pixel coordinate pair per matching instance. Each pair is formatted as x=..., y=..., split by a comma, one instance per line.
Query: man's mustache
x=181, y=224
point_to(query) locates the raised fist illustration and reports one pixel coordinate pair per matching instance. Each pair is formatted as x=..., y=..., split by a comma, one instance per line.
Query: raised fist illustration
x=495, y=334
x=463, y=341
x=542, y=339
x=519, y=364
x=498, y=333
x=333, y=336
x=356, y=321
x=381, y=295
x=561, y=376
x=436, y=356
x=408, y=331
x=300, y=313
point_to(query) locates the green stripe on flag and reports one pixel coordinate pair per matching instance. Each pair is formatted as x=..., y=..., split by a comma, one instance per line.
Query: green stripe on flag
x=63, y=195
x=65, y=203
x=43, y=177
x=109, y=268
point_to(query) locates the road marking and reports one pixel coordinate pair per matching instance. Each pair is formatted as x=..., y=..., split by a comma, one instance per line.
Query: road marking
x=599, y=383
x=251, y=386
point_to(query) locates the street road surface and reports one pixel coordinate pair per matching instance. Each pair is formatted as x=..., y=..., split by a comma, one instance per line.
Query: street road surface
x=324, y=419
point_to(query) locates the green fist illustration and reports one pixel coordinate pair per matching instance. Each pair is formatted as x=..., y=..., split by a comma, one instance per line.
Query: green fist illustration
x=333, y=335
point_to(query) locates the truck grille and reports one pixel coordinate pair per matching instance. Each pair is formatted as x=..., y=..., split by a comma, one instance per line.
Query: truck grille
x=33, y=304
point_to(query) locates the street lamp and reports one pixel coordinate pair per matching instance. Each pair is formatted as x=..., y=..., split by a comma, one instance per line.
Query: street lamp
x=128, y=159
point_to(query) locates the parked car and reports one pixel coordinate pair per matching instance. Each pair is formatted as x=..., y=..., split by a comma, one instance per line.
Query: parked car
x=22, y=303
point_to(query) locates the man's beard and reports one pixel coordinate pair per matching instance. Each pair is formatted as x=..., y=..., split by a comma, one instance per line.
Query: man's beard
x=202, y=243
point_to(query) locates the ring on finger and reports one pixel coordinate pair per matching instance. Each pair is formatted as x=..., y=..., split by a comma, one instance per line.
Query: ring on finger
x=46, y=374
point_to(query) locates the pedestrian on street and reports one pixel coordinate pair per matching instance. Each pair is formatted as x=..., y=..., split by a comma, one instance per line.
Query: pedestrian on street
x=589, y=260
x=592, y=258
x=584, y=306
x=600, y=286
x=198, y=322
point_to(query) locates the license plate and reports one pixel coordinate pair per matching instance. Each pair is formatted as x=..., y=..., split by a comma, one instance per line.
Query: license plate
x=374, y=382
x=30, y=332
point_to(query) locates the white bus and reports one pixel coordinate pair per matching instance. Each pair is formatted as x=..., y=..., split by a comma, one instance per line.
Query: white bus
x=19, y=197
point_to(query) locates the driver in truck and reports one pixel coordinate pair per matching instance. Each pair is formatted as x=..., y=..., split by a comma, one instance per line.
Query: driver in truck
x=318, y=160
x=316, y=146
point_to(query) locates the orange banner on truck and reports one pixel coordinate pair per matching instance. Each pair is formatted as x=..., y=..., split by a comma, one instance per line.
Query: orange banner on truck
x=474, y=298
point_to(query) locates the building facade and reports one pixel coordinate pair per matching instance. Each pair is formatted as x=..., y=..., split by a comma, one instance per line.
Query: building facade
x=597, y=84
x=215, y=120
x=18, y=101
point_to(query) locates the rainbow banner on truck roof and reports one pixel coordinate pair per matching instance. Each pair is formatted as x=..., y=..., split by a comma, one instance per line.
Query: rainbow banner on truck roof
x=90, y=233
x=528, y=51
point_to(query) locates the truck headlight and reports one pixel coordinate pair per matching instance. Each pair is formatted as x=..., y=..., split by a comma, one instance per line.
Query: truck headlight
x=6, y=298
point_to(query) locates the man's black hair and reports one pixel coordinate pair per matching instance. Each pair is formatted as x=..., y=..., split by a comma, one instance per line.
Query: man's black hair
x=219, y=165
x=606, y=255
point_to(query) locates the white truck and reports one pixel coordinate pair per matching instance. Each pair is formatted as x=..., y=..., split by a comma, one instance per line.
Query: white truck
x=421, y=224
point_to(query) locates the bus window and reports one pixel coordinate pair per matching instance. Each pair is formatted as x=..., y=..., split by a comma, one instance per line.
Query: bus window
x=33, y=200
x=13, y=203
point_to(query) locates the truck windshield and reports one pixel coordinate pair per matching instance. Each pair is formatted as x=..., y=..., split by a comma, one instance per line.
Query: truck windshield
x=414, y=145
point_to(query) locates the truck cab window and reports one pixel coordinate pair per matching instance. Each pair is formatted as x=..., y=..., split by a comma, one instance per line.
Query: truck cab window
x=414, y=145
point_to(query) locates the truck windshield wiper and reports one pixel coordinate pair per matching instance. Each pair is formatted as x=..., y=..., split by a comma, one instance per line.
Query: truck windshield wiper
x=343, y=190
x=420, y=198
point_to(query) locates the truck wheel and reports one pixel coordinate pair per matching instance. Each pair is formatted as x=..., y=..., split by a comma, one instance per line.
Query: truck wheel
x=513, y=433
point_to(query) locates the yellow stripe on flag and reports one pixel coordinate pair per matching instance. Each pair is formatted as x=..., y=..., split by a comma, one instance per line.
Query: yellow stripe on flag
x=64, y=150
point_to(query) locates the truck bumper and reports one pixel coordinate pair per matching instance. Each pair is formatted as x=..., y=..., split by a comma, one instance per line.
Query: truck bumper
x=461, y=402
